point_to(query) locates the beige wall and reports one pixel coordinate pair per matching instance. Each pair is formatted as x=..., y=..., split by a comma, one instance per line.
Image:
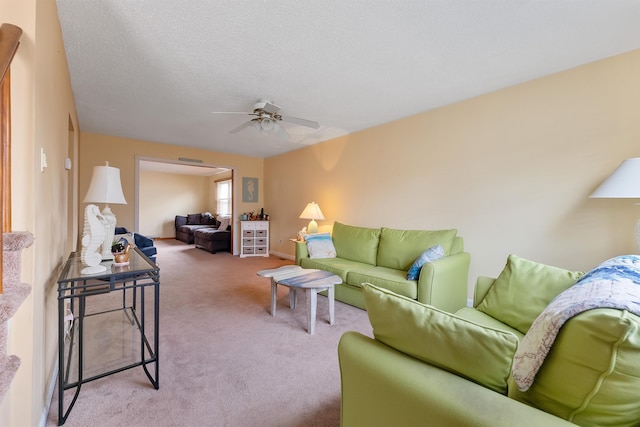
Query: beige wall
x=42, y=109
x=511, y=170
x=162, y=196
x=95, y=149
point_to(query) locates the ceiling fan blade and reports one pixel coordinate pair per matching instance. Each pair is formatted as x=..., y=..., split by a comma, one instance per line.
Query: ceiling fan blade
x=301, y=122
x=242, y=126
x=270, y=108
x=281, y=133
x=230, y=112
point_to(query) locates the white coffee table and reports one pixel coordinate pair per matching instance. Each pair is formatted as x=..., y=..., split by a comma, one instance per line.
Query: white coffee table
x=309, y=280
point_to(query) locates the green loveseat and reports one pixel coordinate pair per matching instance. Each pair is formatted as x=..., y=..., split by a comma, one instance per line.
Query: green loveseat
x=383, y=256
x=429, y=367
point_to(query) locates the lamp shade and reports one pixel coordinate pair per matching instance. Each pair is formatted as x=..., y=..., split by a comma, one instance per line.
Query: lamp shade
x=105, y=186
x=623, y=183
x=312, y=211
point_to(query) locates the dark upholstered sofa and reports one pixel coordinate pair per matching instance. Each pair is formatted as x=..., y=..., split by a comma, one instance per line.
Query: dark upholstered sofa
x=186, y=225
x=213, y=239
x=204, y=230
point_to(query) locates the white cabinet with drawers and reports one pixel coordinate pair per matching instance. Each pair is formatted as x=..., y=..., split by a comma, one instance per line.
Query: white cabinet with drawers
x=255, y=238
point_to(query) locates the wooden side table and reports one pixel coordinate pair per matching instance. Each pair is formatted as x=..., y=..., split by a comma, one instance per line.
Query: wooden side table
x=311, y=281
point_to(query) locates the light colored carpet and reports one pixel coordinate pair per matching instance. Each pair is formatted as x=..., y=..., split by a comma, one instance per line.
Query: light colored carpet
x=224, y=360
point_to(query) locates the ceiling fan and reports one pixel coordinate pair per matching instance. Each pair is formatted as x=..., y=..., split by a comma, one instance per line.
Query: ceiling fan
x=267, y=120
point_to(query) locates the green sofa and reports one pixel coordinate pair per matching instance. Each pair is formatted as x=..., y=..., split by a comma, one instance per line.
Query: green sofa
x=383, y=256
x=429, y=367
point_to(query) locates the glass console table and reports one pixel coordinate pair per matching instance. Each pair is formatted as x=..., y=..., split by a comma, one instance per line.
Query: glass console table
x=104, y=326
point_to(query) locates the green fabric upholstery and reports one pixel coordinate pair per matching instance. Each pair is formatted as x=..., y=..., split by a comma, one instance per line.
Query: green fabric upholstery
x=441, y=283
x=382, y=387
x=338, y=266
x=476, y=316
x=356, y=243
x=399, y=248
x=592, y=375
x=394, y=280
x=428, y=367
x=523, y=289
x=483, y=284
x=479, y=353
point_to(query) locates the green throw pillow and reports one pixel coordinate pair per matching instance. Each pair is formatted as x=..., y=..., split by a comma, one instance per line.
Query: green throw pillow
x=399, y=248
x=480, y=354
x=523, y=289
x=356, y=243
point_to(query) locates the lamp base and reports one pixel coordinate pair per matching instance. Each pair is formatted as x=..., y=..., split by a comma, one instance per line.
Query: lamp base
x=109, y=232
x=313, y=227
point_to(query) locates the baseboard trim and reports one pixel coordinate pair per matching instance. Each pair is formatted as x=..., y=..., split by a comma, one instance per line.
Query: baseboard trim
x=282, y=255
x=50, y=391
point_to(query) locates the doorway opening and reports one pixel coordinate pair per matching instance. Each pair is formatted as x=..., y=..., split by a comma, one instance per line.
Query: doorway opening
x=165, y=188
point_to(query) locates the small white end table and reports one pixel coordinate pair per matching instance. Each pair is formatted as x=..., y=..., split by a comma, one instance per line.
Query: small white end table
x=311, y=281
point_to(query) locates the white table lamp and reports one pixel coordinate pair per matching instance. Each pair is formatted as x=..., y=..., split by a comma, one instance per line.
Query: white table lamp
x=623, y=183
x=312, y=212
x=106, y=188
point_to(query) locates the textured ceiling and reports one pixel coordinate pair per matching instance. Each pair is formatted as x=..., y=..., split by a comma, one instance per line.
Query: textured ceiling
x=156, y=70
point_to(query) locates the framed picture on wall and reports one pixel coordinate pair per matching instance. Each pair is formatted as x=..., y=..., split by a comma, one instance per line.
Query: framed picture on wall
x=250, y=190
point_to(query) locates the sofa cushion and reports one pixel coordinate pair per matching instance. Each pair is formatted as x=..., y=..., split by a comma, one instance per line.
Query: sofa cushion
x=224, y=223
x=194, y=218
x=191, y=228
x=591, y=376
x=399, y=248
x=320, y=245
x=480, y=354
x=358, y=244
x=523, y=289
x=476, y=316
x=338, y=266
x=432, y=254
x=383, y=277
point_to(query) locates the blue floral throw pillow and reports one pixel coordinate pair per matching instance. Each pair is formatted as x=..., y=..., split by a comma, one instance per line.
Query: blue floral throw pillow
x=431, y=254
x=320, y=245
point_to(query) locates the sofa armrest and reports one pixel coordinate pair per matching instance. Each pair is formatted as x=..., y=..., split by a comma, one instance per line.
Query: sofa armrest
x=180, y=221
x=483, y=284
x=382, y=387
x=142, y=241
x=443, y=283
x=301, y=251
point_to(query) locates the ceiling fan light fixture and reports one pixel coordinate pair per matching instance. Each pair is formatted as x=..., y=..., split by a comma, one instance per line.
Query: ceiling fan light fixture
x=268, y=124
x=266, y=121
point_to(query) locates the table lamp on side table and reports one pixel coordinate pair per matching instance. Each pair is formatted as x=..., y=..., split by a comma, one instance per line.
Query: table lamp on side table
x=312, y=212
x=106, y=188
x=623, y=183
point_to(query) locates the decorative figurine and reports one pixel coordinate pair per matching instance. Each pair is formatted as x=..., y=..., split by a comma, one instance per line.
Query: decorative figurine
x=92, y=237
x=301, y=234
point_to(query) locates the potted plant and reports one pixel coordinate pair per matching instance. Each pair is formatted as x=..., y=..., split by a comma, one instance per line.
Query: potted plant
x=117, y=247
x=120, y=252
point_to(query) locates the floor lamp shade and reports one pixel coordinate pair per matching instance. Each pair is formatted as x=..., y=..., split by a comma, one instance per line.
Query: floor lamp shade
x=105, y=187
x=623, y=183
x=312, y=212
